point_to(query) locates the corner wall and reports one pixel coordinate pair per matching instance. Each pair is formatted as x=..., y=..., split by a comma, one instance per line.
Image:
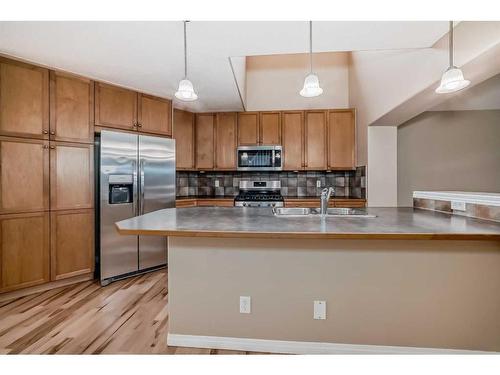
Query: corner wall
x=449, y=150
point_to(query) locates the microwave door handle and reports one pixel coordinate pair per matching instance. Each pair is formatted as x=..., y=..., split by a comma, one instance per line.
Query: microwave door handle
x=273, y=159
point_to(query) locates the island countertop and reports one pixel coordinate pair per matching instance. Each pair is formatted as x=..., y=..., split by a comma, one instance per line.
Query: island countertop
x=390, y=223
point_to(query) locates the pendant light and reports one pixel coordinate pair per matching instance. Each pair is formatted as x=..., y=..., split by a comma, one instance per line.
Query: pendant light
x=185, y=92
x=311, y=82
x=453, y=79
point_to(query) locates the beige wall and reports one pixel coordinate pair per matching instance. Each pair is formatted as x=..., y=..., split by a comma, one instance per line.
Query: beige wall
x=274, y=81
x=382, y=178
x=441, y=294
x=455, y=150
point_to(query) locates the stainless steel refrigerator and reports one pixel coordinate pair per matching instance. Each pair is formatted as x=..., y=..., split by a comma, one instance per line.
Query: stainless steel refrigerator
x=135, y=175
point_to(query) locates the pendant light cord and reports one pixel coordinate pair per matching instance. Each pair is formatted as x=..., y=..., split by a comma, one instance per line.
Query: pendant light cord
x=185, y=51
x=310, y=46
x=451, y=45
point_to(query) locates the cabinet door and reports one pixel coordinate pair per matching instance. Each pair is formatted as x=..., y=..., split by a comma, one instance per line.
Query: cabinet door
x=225, y=140
x=115, y=107
x=293, y=140
x=315, y=140
x=270, y=128
x=183, y=133
x=24, y=100
x=24, y=175
x=72, y=108
x=155, y=115
x=24, y=250
x=72, y=176
x=205, y=141
x=248, y=128
x=341, y=140
x=71, y=243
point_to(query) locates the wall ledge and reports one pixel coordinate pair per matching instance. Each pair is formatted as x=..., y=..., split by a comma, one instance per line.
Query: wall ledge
x=487, y=199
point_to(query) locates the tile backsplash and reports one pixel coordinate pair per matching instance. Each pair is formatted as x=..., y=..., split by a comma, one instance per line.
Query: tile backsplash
x=293, y=184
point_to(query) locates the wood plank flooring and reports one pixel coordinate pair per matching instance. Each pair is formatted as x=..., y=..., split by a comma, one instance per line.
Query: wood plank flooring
x=126, y=317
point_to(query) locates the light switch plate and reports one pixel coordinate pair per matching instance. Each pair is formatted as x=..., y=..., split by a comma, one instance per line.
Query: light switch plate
x=245, y=305
x=458, y=206
x=318, y=183
x=319, y=310
x=216, y=183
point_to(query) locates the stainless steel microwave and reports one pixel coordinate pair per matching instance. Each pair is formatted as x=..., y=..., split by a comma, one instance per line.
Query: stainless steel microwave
x=259, y=158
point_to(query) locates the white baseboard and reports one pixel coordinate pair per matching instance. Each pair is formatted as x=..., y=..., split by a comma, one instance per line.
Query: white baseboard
x=300, y=347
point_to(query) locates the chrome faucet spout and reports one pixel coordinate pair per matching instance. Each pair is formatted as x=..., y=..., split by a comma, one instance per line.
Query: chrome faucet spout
x=325, y=197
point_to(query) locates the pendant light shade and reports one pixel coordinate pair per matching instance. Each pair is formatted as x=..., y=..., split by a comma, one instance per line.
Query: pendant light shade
x=185, y=92
x=311, y=86
x=453, y=79
x=311, y=82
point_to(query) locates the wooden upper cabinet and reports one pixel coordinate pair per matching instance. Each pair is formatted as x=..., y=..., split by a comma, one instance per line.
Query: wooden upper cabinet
x=71, y=243
x=270, y=128
x=183, y=133
x=205, y=132
x=155, y=115
x=292, y=135
x=24, y=175
x=24, y=100
x=71, y=176
x=315, y=140
x=248, y=128
x=341, y=139
x=24, y=250
x=225, y=140
x=115, y=107
x=72, y=108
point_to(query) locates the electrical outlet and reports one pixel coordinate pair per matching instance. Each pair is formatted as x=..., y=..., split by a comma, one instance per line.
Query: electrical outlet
x=216, y=183
x=458, y=206
x=319, y=310
x=318, y=183
x=245, y=305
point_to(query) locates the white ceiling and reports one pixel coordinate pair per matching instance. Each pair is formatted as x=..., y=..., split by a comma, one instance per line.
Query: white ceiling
x=148, y=56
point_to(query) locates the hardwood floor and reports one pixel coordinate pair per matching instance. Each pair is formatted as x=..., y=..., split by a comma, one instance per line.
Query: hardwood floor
x=126, y=317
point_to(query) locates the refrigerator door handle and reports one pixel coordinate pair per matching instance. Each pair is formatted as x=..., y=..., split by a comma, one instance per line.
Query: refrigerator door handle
x=141, y=172
x=134, y=192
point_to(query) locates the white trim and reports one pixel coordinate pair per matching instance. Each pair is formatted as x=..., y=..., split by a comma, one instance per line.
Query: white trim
x=300, y=347
x=488, y=199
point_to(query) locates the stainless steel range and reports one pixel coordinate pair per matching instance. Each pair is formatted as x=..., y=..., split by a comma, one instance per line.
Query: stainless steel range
x=259, y=194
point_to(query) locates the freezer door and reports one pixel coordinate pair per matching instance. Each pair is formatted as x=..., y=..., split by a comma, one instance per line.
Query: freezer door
x=156, y=192
x=118, y=201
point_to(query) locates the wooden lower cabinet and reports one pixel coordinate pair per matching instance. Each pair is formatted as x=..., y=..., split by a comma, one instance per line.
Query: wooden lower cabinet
x=71, y=243
x=24, y=250
x=315, y=202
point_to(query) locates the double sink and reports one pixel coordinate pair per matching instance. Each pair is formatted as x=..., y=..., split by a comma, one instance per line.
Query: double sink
x=331, y=212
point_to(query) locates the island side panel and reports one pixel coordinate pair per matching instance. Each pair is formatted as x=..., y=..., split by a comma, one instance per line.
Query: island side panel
x=432, y=294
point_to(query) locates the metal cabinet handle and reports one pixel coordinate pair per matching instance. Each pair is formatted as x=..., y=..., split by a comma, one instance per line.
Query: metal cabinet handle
x=134, y=125
x=52, y=147
x=45, y=147
x=53, y=133
x=139, y=125
x=45, y=132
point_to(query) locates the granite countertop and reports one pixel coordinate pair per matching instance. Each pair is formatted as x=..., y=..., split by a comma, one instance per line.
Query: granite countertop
x=390, y=223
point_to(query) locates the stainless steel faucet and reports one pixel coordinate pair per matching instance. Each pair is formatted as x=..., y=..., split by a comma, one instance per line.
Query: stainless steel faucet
x=325, y=197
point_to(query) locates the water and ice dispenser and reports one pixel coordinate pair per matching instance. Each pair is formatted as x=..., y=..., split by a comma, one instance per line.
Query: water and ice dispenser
x=121, y=188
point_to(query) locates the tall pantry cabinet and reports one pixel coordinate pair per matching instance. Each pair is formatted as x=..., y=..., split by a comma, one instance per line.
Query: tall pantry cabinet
x=46, y=175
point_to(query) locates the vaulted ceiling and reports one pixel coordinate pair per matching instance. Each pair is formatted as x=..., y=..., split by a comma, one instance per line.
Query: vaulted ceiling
x=148, y=56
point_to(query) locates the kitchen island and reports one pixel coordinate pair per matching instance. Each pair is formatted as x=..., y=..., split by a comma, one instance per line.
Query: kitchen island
x=406, y=281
